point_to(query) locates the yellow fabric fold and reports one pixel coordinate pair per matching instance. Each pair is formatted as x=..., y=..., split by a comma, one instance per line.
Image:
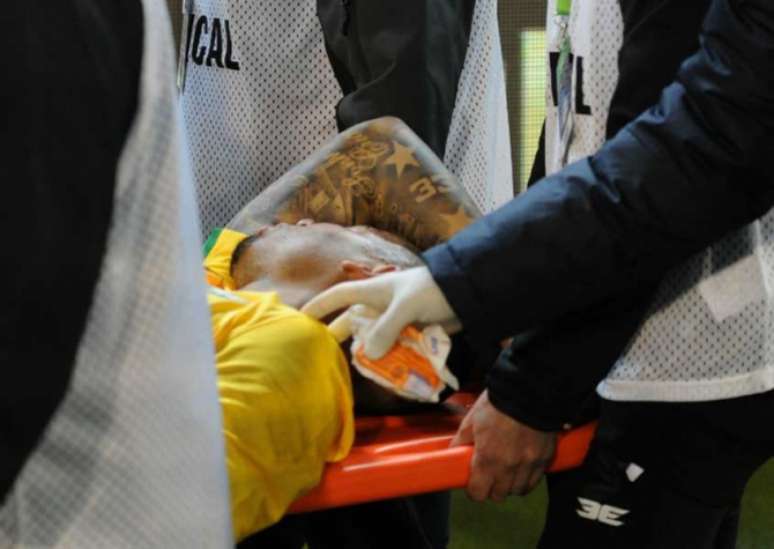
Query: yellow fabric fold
x=217, y=264
x=287, y=403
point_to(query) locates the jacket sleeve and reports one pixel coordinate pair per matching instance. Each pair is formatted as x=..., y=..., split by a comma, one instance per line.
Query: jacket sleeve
x=401, y=58
x=548, y=379
x=548, y=376
x=683, y=174
x=70, y=76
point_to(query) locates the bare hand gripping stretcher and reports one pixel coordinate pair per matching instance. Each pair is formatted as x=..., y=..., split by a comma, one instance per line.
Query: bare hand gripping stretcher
x=379, y=173
x=397, y=456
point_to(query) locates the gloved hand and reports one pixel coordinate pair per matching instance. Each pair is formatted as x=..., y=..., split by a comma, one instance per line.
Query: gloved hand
x=406, y=297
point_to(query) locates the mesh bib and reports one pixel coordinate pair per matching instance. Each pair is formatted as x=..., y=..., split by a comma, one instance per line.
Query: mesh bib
x=478, y=150
x=596, y=35
x=710, y=331
x=134, y=456
x=249, y=125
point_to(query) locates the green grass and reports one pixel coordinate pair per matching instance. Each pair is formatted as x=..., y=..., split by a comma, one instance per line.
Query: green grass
x=757, y=525
x=516, y=524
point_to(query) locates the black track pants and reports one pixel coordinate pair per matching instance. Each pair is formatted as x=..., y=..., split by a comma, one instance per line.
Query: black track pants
x=662, y=475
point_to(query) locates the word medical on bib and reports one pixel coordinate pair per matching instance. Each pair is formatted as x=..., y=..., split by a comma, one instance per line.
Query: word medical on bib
x=208, y=41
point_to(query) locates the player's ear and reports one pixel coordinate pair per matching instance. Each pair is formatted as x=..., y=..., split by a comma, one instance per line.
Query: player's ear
x=354, y=270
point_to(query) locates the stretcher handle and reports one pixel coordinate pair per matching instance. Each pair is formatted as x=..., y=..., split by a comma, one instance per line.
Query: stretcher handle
x=416, y=466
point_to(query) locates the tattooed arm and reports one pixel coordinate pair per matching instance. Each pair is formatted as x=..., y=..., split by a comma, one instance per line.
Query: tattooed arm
x=378, y=173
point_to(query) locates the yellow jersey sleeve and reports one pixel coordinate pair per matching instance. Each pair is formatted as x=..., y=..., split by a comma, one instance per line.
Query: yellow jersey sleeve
x=287, y=403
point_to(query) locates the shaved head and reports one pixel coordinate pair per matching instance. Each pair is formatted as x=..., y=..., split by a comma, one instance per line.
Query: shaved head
x=299, y=261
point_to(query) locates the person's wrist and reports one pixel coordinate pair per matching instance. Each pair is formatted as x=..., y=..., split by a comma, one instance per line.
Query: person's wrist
x=521, y=410
x=452, y=282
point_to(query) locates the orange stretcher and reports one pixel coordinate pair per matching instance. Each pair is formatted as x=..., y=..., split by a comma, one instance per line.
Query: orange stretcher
x=397, y=456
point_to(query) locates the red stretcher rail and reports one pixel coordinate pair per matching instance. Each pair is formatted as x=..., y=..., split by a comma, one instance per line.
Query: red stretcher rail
x=397, y=456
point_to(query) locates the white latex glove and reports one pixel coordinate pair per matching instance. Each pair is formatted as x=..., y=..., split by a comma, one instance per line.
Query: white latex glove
x=406, y=297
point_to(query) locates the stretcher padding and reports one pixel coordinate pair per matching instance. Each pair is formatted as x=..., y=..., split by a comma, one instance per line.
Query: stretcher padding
x=395, y=456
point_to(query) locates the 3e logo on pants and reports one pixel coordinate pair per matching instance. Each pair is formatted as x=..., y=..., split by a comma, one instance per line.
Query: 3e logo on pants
x=606, y=514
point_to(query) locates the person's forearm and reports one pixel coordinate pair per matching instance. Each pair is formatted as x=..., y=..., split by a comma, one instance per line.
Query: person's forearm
x=675, y=180
x=548, y=377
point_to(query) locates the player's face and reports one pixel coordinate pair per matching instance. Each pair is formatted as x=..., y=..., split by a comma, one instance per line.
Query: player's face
x=299, y=261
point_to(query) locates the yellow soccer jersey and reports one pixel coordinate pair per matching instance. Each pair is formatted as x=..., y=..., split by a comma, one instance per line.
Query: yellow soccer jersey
x=218, y=251
x=287, y=403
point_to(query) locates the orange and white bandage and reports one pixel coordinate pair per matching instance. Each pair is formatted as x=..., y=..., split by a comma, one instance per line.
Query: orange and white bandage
x=415, y=368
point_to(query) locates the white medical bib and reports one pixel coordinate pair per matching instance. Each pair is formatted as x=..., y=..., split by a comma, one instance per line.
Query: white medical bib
x=133, y=458
x=478, y=150
x=709, y=334
x=252, y=119
x=260, y=96
x=596, y=35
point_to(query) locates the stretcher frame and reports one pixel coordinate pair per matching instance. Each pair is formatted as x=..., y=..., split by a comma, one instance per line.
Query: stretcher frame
x=396, y=456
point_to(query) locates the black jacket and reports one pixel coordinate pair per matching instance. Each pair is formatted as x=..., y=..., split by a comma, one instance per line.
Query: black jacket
x=683, y=174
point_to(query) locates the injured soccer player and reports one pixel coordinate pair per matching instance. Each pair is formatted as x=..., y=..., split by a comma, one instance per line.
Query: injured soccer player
x=286, y=388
